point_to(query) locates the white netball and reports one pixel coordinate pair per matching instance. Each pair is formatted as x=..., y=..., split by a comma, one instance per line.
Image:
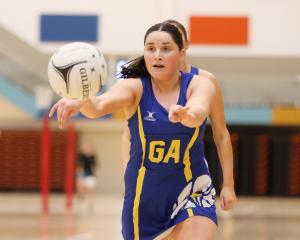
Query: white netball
x=77, y=70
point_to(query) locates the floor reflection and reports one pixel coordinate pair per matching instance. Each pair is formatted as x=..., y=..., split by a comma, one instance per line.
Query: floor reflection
x=251, y=219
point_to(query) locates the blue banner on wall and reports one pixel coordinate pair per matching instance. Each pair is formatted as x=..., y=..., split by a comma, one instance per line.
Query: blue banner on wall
x=68, y=28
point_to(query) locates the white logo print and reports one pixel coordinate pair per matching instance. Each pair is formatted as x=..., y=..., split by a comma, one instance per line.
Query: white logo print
x=150, y=116
x=199, y=193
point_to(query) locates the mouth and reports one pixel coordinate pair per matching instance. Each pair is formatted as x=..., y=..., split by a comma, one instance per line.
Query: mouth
x=158, y=66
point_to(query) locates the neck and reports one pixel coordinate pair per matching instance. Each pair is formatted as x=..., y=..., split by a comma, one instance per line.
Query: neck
x=167, y=86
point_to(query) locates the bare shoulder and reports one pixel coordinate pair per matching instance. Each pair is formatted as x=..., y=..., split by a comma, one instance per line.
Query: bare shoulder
x=201, y=90
x=129, y=86
x=135, y=83
x=210, y=76
x=134, y=87
x=205, y=73
x=199, y=79
x=201, y=82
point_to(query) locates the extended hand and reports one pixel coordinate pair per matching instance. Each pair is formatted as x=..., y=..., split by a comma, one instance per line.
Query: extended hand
x=177, y=113
x=227, y=198
x=65, y=108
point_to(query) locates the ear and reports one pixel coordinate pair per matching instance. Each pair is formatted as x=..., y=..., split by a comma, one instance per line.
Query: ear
x=182, y=52
x=187, y=44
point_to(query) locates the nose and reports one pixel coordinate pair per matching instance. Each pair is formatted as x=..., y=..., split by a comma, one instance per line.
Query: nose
x=157, y=55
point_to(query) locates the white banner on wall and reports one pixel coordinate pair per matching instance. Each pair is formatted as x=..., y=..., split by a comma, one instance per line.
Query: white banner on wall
x=273, y=28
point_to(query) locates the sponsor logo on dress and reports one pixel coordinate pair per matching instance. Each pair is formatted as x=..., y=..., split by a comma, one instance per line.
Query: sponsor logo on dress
x=150, y=116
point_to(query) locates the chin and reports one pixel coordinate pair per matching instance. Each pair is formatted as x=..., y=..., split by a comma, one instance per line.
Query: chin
x=162, y=73
x=159, y=76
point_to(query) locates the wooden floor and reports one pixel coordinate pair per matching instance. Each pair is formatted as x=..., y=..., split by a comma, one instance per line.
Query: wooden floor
x=251, y=219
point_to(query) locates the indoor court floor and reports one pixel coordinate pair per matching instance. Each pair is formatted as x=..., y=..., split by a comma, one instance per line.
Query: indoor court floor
x=250, y=219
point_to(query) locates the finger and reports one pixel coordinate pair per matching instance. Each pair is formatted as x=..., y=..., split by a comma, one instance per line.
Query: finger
x=67, y=113
x=229, y=203
x=173, y=118
x=72, y=114
x=59, y=115
x=175, y=108
x=53, y=109
x=222, y=204
x=64, y=117
x=182, y=112
x=226, y=205
x=171, y=115
x=184, y=109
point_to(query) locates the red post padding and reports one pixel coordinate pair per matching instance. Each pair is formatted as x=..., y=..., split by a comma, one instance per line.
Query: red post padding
x=70, y=165
x=45, y=164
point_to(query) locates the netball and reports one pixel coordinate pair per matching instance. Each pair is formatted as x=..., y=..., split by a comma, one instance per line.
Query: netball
x=77, y=71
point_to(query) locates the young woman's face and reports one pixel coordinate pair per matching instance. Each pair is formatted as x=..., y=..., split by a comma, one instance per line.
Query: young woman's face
x=162, y=55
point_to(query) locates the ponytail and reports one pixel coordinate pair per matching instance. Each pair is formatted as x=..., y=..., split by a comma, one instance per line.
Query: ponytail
x=134, y=68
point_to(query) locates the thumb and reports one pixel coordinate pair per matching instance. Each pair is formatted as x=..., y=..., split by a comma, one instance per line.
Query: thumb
x=185, y=108
x=222, y=202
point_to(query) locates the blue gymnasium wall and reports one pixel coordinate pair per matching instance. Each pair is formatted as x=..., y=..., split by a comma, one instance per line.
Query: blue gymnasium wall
x=248, y=115
x=18, y=96
x=64, y=28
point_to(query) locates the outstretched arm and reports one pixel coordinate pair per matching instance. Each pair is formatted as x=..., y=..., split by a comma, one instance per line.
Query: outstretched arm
x=123, y=95
x=200, y=95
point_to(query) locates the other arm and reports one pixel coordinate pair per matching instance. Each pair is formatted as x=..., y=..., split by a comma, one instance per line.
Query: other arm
x=223, y=143
x=200, y=94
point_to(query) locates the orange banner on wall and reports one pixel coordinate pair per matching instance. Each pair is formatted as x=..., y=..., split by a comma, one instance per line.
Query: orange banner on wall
x=219, y=30
x=286, y=116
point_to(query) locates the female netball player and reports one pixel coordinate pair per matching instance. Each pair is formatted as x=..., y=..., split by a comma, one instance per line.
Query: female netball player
x=217, y=116
x=185, y=67
x=167, y=182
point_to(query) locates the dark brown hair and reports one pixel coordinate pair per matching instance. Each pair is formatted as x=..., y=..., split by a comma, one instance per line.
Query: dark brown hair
x=137, y=67
x=179, y=25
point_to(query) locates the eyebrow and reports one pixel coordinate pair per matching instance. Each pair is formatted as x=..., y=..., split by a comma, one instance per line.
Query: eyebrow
x=164, y=43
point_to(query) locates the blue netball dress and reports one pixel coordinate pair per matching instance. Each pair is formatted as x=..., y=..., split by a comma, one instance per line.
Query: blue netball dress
x=167, y=178
x=194, y=70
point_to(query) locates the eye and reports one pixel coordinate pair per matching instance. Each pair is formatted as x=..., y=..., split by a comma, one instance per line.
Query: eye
x=150, y=48
x=166, y=49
